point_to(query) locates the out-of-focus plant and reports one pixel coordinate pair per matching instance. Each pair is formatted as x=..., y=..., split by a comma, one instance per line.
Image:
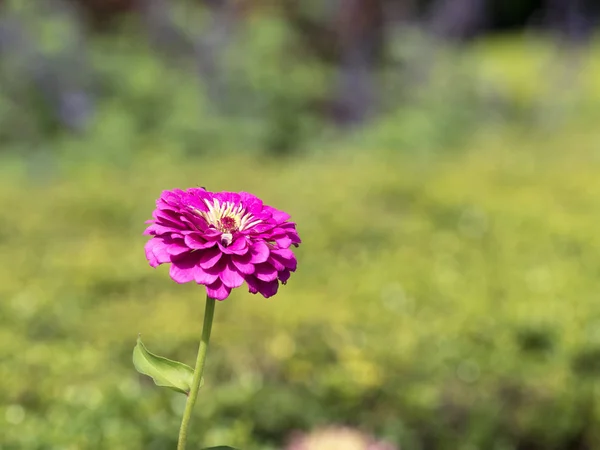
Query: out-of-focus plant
x=336, y=438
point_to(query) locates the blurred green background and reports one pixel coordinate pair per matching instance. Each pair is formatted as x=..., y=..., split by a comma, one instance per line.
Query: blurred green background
x=445, y=185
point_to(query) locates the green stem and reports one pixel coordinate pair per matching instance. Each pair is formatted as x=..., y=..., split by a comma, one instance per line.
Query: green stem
x=209, y=313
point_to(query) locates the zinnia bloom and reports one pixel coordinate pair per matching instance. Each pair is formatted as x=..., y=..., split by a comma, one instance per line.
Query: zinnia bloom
x=337, y=438
x=220, y=240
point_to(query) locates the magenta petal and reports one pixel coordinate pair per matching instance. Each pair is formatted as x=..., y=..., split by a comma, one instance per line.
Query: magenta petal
x=243, y=264
x=265, y=272
x=263, y=227
x=170, y=198
x=218, y=290
x=238, y=247
x=212, y=234
x=283, y=242
x=156, y=252
x=157, y=229
x=201, y=277
x=194, y=200
x=267, y=289
x=177, y=248
x=290, y=230
x=231, y=277
x=259, y=252
x=195, y=242
x=181, y=274
x=209, y=257
x=276, y=264
x=199, y=191
x=279, y=216
x=284, y=275
x=166, y=217
x=285, y=257
x=195, y=223
x=225, y=196
x=152, y=260
x=252, y=203
x=219, y=266
x=240, y=243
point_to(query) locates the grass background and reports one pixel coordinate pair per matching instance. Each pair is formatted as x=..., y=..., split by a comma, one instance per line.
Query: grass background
x=447, y=290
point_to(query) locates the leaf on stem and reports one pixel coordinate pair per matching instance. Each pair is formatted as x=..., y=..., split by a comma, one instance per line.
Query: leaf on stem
x=165, y=372
x=220, y=447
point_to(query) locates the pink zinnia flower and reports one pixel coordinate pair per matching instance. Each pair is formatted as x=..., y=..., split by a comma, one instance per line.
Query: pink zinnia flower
x=336, y=438
x=220, y=240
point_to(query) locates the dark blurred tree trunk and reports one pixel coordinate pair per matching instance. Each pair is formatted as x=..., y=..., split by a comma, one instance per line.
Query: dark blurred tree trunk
x=211, y=46
x=206, y=48
x=574, y=19
x=60, y=84
x=456, y=19
x=572, y=22
x=360, y=32
x=353, y=40
x=101, y=13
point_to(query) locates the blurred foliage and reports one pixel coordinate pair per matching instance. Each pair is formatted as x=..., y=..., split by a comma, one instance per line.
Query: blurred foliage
x=441, y=303
x=153, y=85
x=446, y=296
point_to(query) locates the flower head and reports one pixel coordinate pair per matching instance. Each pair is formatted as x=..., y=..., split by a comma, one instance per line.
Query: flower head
x=336, y=438
x=220, y=240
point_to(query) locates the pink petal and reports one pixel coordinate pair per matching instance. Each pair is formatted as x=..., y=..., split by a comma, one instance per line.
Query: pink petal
x=252, y=204
x=259, y=252
x=218, y=290
x=196, y=242
x=290, y=229
x=156, y=252
x=284, y=276
x=177, y=248
x=286, y=257
x=283, y=242
x=225, y=196
x=243, y=264
x=279, y=216
x=266, y=289
x=262, y=227
x=191, y=200
x=156, y=229
x=181, y=274
x=196, y=223
x=238, y=247
x=169, y=199
x=198, y=192
x=276, y=264
x=209, y=257
x=201, y=277
x=265, y=272
x=219, y=266
x=288, y=225
x=166, y=217
x=230, y=276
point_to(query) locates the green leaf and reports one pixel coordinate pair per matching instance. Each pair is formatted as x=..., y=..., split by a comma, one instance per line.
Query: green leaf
x=165, y=372
x=220, y=447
